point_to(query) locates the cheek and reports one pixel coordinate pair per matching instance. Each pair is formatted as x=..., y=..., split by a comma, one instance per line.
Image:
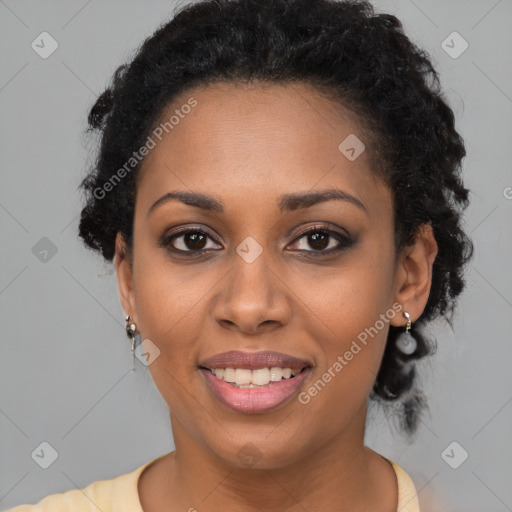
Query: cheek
x=168, y=310
x=347, y=368
x=355, y=310
x=350, y=298
x=169, y=315
x=168, y=297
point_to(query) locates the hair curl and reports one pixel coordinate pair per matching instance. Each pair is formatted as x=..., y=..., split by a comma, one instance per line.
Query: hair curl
x=344, y=48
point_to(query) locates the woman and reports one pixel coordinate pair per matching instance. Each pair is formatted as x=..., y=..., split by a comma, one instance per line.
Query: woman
x=278, y=187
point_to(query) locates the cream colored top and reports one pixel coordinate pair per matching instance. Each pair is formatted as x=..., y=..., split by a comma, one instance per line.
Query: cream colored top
x=120, y=494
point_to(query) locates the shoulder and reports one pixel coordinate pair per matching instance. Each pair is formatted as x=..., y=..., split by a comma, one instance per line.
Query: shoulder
x=113, y=495
x=407, y=495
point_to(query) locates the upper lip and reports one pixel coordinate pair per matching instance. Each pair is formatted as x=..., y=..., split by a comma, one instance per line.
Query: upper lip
x=253, y=360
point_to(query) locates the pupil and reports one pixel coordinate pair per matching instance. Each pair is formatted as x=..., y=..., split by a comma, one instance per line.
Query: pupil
x=195, y=241
x=319, y=240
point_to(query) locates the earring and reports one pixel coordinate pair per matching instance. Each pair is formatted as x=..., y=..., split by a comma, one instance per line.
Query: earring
x=405, y=341
x=131, y=332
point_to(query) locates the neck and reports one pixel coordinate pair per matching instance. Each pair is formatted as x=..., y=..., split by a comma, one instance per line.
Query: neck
x=338, y=471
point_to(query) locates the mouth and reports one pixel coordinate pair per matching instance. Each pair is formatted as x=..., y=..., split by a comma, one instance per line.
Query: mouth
x=254, y=382
x=244, y=378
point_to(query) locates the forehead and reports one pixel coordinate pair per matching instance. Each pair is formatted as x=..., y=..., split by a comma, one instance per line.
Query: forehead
x=258, y=141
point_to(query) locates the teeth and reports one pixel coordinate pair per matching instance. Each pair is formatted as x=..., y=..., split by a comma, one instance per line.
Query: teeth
x=229, y=375
x=245, y=378
x=242, y=376
x=260, y=377
x=276, y=374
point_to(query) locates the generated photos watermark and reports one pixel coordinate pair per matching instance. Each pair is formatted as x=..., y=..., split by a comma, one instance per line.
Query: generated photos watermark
x=344, y=359
x=143, y=151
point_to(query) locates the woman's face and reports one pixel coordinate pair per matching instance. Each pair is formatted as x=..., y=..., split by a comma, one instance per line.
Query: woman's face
x=238, y=271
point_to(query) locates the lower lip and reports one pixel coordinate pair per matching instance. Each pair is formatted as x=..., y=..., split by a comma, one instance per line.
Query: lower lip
x=254, y=400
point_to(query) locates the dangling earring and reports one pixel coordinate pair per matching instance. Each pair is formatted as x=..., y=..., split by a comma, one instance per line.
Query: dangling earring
x=405, y=341
x=131, y=332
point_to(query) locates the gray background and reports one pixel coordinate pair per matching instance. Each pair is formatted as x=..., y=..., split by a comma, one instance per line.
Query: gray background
x=65, y=363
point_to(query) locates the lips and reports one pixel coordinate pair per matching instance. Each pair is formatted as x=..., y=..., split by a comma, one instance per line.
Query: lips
x=254, y=398
x=254, y=360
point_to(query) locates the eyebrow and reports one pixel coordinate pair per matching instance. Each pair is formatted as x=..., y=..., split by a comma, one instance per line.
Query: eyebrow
x=287, y=202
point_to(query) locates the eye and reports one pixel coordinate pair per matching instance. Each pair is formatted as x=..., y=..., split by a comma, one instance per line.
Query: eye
x=319, y=239
x=322, y=240
x=190, y=240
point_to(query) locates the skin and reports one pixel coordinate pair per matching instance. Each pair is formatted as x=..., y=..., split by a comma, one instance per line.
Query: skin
x=247, y=146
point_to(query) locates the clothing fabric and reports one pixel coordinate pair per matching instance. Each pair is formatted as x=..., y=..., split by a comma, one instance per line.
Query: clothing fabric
x=120, y=494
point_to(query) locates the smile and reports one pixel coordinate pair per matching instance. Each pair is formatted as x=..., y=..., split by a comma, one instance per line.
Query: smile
x=254, y=398
x=245, y=378
x=254, y=383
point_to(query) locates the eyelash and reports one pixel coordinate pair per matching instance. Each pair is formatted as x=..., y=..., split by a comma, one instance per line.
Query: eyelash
x=344, y=241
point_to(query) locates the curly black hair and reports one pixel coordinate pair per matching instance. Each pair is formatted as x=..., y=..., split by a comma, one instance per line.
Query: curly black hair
x=346, y=50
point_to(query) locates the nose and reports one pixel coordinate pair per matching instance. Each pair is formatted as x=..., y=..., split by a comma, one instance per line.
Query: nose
x=253, y=298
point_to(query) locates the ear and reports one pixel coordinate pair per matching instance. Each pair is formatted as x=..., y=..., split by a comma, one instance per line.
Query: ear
x=123, y=266
x=413, y=277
